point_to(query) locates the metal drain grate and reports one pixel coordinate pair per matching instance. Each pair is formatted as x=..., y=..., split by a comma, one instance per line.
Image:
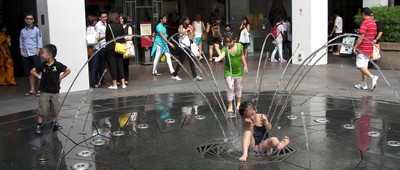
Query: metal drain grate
x=221, y=150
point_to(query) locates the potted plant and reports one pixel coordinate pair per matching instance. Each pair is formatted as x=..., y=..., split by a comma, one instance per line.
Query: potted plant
x=389, y=18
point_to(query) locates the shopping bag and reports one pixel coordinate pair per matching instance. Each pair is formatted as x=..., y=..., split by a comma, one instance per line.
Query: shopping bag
x=130, y=52
x=163, y=58
x=376, y=55
x=92, y=39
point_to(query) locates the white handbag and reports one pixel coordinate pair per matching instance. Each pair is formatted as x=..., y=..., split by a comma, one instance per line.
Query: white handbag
x=195, y=49
x=92, y=38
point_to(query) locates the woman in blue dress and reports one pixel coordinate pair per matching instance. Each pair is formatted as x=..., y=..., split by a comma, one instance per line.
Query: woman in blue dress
x=161, y=47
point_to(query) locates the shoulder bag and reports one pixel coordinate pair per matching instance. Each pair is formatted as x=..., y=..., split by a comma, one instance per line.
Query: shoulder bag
x=120, y=48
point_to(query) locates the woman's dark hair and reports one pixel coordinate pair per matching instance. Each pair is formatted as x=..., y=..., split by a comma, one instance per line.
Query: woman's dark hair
x=113, y=17
x=183, y=22
x=125, y=18
x=229, y=37
x=90, y=19
x=161, y=17
x=247, y=20
x=243, y=107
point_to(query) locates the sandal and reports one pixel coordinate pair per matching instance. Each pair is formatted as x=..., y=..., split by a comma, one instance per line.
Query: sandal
x=29, y=93
x=38, y=94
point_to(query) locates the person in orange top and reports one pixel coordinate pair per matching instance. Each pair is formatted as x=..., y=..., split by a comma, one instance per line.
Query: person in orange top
x=6, y=63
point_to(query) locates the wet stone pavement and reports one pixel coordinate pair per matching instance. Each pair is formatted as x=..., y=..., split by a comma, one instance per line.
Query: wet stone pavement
x=181, y=131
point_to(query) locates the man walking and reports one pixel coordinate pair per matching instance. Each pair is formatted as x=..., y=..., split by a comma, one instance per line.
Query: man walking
x=364, y=48
x=337, y=30
x=30, y=43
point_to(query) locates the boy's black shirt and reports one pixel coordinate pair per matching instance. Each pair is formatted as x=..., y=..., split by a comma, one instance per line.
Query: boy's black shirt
x=50, y=81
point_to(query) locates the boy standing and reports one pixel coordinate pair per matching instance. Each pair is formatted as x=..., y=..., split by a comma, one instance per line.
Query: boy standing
x=49, y=74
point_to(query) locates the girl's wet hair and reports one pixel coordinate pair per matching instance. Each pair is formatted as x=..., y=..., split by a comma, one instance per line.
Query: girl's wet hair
x=244, y=106
x=229, y=37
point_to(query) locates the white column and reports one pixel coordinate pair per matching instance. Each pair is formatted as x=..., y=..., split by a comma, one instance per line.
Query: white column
x=371, y=3
x=67, y=30
x=309, y=30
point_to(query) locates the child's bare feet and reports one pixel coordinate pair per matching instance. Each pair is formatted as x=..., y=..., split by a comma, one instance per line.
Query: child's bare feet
x=285, y=141
x=243, y=158
x=230, y=109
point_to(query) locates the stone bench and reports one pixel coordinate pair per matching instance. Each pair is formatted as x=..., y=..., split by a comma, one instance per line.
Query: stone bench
x=390, y=56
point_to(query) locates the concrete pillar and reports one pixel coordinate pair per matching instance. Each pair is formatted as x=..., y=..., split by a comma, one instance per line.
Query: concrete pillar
x=371, y=3
x=66, y=28
x=309, y=29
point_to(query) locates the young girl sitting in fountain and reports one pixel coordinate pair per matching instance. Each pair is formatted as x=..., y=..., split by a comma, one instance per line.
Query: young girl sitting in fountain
x=233, y=71
x=256, y=127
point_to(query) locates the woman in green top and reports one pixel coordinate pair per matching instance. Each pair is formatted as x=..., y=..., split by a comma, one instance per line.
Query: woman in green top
x=233, y=71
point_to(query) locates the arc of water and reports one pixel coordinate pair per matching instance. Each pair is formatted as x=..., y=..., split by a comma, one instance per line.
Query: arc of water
x=201, y=91
x=69, y=89
x=281, y=78
x=306, y=136
x=77, y=113
x=223, y=107
x=308, y=60
x=258, y=67
x=297, y=82
x=312, y=56
x=279, y=83
x=212, y=78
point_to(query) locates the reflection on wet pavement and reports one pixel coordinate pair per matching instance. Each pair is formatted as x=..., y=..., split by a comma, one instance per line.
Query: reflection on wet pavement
x=178, y=131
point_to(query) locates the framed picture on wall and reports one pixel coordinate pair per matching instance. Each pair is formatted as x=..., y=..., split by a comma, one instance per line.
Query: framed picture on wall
x=347, y=49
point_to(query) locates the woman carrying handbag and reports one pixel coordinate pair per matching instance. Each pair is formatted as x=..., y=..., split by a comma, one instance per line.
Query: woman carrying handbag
x=115, y=60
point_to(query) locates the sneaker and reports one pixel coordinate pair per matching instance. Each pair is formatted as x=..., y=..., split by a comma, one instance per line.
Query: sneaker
x=274, y=60
x=123, y=86
x=113, y=87
x=38, y=130
x=176, y=78
x=282, y=60
x=198, y=78
x=55, y=126
x=362, y=86
x=374, y=80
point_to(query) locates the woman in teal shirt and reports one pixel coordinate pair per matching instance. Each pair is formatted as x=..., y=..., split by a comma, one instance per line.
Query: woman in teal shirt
x=233, y=70
x=162, y=46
